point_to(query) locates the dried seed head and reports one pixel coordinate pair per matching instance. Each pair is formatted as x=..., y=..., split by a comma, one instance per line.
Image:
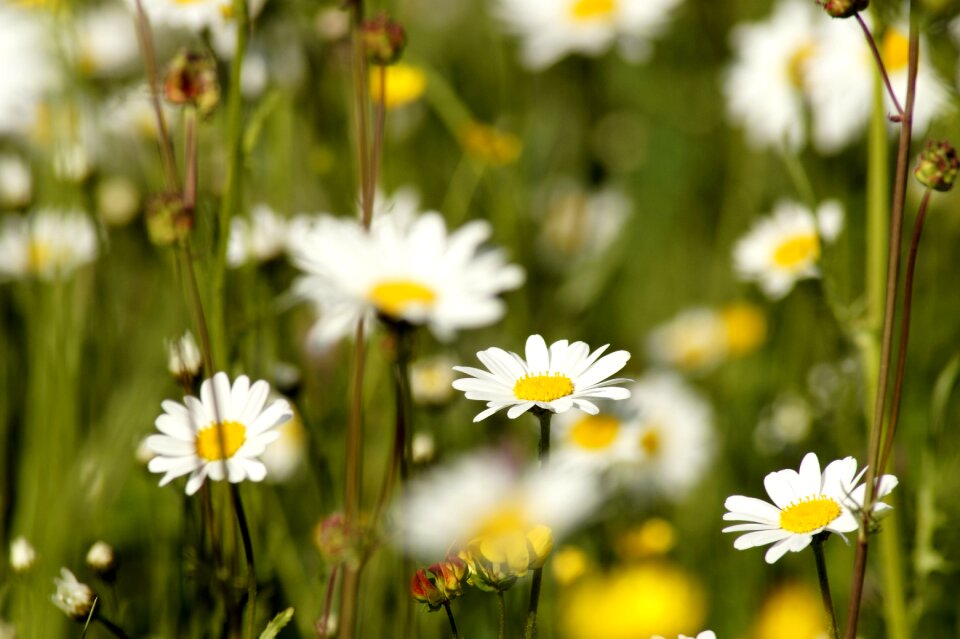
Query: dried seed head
x=191, y=80
x=843, y=8
x=937, y=166
x=383, y=39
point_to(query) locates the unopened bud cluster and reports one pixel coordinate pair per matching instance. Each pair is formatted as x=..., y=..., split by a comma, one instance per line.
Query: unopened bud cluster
x=192, y=81
x=337, y=540
x=496, y=563
x=937, y=166
x=843, y=8
x=440, y=583
x=383, y=40
x=167, y=221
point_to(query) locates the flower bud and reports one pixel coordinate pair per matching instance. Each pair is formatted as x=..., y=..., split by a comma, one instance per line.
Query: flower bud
x=843, y=8
x=22, y=555
x=103, y=560
x=72, y=597
x=440, y=583
x=184, y=360
x=539, y=544
x=425, y=590
x=191, y=80
x=336, y=540
x=383, y=39
x=487, y=571
x=167, y=222
x=937, y=166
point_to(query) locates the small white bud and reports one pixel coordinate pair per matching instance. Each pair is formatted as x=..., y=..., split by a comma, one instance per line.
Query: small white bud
x=72, y=597
x=22, y=555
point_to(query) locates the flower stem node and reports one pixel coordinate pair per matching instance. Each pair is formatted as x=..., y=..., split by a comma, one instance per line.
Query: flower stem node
x=167, y=221
x=843, y=8
x=191, y=80
x=938, y=166
x=440, y=583
x=383, y=40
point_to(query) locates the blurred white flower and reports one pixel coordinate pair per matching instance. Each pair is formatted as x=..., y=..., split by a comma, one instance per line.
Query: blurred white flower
x=105, y=41
x=194, y=15
x=72, y=597
x=259, y=238
x=554, y=379
x=764, y=86
x=787, y=421
x=22, y=555
x=580, y=226
x=29, y=69
x=183, y=356
x=694, y=340
x=483, y=494
x=102, y=558
x=118, y=200
x=48, y=243
x=131, y=115
x=16, y=181
x=255, y=75
x=405, y=269
x=431, y=379
x=221, y=435
x=423, y=448
x=553, y=30
x=842, y=75
x=591, y=442
x=285, y=456
x=785, y=247
x=804, y=504
x=72, y=161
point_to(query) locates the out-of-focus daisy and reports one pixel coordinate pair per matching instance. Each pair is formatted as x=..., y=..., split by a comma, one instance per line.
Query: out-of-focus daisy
x=579, y=226
x=765, y=85
x=785, y=247
x=595, y=442
x=556, y=379
x=431, y=379
x=404, y=83
x=48, y=243
x=804, y=504
x=553, y=30
x=195, y=15
x=485, y=497
x=22, y=555
x=183, y=357
x=118, y=200
x=842, y=73
x=783, y=423
x=75, y=599
x=131, y=115
x=193, y=444
x=791, y=611
x=16, y=181
x=259, y=238
x=405, y=269
x=634, y=601
x=284, y=457
x=105, y=42
x=699, y=338
x=30, y=71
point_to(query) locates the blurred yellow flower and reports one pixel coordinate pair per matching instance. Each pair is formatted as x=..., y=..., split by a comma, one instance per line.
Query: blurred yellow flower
x=638, y=601
x=746, y=327
x=405, y=83
x=654, y=537
x=486, y=143
x=792, y=611
x=569, y=564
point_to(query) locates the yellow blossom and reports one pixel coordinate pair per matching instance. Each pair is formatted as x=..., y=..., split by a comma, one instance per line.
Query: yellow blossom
x=746, y=327
x=489, y=145
x=792, y=611
x=405, y=83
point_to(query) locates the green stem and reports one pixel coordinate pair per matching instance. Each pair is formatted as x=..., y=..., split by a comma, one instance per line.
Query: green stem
x=248, y=556
x=453, y=623
x=828, y=610
x=502, y=607
x=544, y=416
x=114, y=629
x=399, y=454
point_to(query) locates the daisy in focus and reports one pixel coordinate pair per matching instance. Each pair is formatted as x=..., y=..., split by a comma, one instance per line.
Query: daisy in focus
x=259, y=238
x=192, y=444
x=805, y=504
x=47, y=244
x=553, y=30
x=406, y=269
x=503, y=521
x=785, y=247
x=554, y=379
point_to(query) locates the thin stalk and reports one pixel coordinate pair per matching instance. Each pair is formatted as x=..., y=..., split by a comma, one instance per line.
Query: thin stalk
x=248, y=556
x=232, y=188
x=190, y=152
x=502, y=606
x=145, y=36
x=361, y=109
x=799, y=177
x=453, y=623
x=543, y=453
x=114, y=629
x=328, y=599
x=398, y=460
x=880, y=65
x=904, y=331
x=378, y=126
x=828, y=610
x=893, y=272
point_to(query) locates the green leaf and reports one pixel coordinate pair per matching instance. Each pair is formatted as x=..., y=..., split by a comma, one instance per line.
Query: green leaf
x=276, y=625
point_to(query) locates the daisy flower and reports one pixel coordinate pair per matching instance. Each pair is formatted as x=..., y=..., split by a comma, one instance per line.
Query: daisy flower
x=25, y=83
x=553, y=30
x=592, y=442
x=765, y=84
x=804, y=504
x=105, y=44
x=581, y=226
x=785, y=247
x=192, y=444
x=698, y=339
x=405, y=269
x=259, y=238
x=48, y=244
x=16, y=181
x=554, y=379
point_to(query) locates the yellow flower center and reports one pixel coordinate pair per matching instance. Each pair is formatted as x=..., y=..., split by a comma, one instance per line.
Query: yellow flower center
x=650, y=441
x=595, y=432
x=233, y=435
x=188, y=1
x=809, y=514
x=895, y=50
x=796, y=71
x=592, y=10
x=542, y=388
x=746, y=327
x=797, y=252
x=38, y=256
x=395, y=297
x=404, y=84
